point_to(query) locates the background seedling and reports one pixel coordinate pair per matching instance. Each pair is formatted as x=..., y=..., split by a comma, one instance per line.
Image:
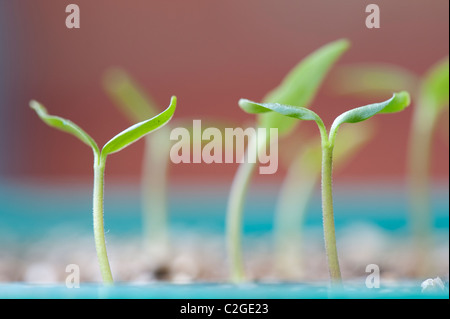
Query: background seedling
x=299, y=88
x=117, y=143
x=397, y=103
x=431, y=103
x=430, y=95
x=297, y=190
x=137, y=106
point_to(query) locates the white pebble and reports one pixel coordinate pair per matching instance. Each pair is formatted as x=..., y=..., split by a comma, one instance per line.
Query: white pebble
x=433, y=285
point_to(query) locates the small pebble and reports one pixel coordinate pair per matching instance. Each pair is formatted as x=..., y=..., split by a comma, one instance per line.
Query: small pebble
x=433, y=285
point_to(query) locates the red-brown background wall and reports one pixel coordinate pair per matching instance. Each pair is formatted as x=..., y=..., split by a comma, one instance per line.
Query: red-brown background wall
x=209, y=54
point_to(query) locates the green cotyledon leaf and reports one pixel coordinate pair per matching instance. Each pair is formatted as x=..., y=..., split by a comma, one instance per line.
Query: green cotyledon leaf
x=63, y=125
x=396, y=103
x=135, y=132
x=297, y=112
x=435, y=86
x=301, y=84
x=289, y=111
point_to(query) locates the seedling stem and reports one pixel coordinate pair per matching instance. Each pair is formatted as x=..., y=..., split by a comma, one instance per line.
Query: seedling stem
x=99, y=233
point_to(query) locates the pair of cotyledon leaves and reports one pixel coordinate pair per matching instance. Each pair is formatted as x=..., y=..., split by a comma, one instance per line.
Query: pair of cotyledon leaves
x=118, y=142
x=396, y=103
x=298, y=88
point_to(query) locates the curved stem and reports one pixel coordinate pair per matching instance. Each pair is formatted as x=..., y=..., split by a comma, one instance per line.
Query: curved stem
x=235, y=208
x=327, y=214
x=99, y=232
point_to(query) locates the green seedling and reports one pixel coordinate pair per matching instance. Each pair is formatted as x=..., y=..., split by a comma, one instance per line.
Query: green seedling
x=432, y=102
x=395, y=104
x=298, y=87
x=298, y=188
x=117, y=143
x=430, y=95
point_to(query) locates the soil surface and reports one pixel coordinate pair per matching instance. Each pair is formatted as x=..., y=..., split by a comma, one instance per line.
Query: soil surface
x=201, y=257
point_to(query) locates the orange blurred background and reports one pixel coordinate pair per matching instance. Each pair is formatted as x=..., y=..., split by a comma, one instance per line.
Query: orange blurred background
x=209, y=54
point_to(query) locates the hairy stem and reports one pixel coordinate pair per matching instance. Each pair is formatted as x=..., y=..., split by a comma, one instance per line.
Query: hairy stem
x=327, y=212
x=99, y=232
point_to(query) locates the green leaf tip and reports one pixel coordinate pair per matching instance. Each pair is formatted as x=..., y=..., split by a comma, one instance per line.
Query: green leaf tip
x=398, y=102
x=137, y=131
x=38, y=107
x=63, y=124
x=252, y=107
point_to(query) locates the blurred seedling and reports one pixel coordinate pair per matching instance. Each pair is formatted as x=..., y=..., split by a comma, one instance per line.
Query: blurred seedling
x=430, y=95
x=397, y=103
x=299, y=87
x=136, y=105
x=117, y=143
